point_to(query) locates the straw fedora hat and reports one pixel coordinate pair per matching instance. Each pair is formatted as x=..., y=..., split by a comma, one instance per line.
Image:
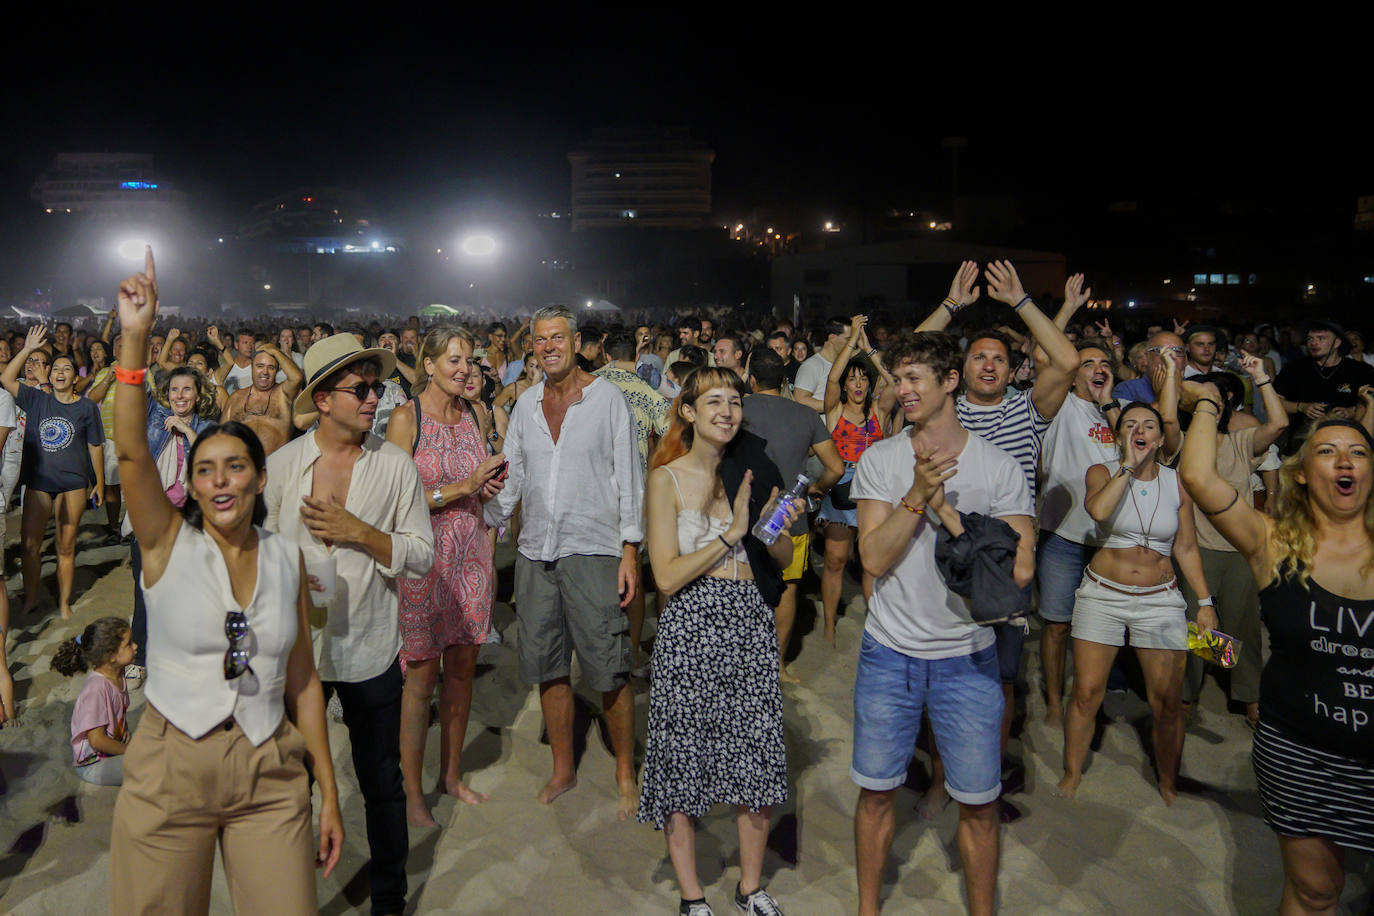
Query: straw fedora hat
x=332, y=353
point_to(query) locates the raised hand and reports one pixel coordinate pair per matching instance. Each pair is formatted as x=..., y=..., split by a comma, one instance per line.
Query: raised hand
x=35, y=338
x=1179, y=328
x=172, y=335
x=1075, y=295
x=212, y=335
x=1253, y=366
x=1367, y=395
x=1104, y=329
x=962, y=288
x=856, y=328
x=1003, y=283
x=138, y=298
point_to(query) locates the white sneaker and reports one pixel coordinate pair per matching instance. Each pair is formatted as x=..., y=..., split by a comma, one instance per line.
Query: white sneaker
x=701, y=908
x=134, y=676
x=759, y=903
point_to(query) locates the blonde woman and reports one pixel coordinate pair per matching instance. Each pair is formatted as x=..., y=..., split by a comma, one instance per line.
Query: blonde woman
x=1313, y=560
x=446, y=615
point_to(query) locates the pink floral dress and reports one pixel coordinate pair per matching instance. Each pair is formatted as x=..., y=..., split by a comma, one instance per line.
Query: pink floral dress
x=451, y=606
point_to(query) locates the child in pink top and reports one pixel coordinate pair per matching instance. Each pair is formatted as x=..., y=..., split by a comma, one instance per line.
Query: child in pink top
x=99, y=732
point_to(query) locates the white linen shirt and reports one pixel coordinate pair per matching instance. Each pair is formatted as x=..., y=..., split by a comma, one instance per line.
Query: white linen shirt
x=362, y=630
x=582, y=495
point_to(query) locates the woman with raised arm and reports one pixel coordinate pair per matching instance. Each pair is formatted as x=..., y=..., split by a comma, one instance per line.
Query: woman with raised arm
x=62, y=467
x=855, y=405
x=1145, y=517
x=235, y=710
x=715, y=708
x=1313, y=561
x=445, y=615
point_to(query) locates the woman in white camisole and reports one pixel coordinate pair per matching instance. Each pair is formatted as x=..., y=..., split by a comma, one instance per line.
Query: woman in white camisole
x=1144, y=516
x=235, y=710
x=715, y=708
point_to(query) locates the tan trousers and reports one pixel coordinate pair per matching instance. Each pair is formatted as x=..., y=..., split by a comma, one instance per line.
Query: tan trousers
x=181, y=796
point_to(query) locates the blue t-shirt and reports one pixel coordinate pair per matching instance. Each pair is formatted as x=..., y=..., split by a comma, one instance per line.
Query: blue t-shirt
x=56, y=439
x=1136, y=389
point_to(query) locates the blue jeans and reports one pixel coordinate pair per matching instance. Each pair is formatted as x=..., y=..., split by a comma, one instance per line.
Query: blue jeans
x=963, y=696
x=1059, y=565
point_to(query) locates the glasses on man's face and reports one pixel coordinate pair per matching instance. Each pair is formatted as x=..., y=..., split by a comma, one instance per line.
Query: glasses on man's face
x=1171, y=351
x=361, y=389
x=236, y=656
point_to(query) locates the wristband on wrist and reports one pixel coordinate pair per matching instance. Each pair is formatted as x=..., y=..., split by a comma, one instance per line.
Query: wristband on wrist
x=1267, y=381
x=1113, y=404
x=952, y=304
x=728, y=545
x=130, y=376
x=1017, y=306
x=1201, y=401
x=908, y=507
x=1209, y=601
x=1125, y=469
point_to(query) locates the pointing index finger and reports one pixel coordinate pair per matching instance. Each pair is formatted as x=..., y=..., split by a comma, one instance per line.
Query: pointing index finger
x=149, y=268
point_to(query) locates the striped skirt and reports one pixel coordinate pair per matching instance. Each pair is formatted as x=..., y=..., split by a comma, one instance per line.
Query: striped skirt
x=1308, y=792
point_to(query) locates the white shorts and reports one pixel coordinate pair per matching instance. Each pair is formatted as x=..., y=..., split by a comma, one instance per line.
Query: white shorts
x=1104, y=611
x=111, y=465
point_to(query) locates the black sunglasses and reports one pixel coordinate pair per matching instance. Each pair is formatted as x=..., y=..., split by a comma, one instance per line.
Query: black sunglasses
x=236, y=656
x=361, y=389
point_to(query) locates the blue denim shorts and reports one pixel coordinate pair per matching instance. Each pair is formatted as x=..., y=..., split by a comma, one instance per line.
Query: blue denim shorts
x=1059, y=565
x=963, y=696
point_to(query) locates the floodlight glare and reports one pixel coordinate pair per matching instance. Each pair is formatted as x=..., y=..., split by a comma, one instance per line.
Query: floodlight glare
x=132, y=249
x=479, y=245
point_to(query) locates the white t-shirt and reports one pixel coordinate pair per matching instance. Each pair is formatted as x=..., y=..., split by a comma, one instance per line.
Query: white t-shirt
x=238, y=377
x=14, y=444
x=1078, y=438
x=812, y=375
x=912, y=611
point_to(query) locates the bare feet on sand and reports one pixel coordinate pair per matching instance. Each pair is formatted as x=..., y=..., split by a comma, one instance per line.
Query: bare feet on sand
x=555, y=788
x=461, y=791
x=1168, y=793
x=628, y=803
x=1054, y=717
x=830, y=636
x=787, y=677
x=417, y=814
x=66, y=610
x=1068, y=786
x=933, y=803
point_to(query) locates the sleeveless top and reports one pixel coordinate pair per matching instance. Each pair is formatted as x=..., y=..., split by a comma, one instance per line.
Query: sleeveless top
x=1318, y=684
x=186, y=641
x=1147, y=515
x=852, y=439
x=696, y=530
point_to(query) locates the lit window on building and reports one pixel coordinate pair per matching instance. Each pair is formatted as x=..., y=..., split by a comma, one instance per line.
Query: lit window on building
x=1233, y=279
x=1200, y=279
x=1216, y=279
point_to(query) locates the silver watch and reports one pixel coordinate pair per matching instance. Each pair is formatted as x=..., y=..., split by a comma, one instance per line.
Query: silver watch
x=438, y=496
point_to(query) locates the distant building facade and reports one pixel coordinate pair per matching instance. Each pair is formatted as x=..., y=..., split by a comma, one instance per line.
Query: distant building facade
x=649, y=178
x=105, y=184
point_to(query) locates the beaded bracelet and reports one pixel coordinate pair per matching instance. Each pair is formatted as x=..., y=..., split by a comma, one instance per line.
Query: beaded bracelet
x=908, y=507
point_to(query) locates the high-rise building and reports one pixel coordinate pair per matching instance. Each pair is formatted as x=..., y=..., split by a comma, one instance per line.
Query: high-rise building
x=648, y=178
x=105, y=184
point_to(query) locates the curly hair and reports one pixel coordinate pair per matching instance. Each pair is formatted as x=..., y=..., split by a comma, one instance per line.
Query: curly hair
x=936, y=349
x=205, y=391
x=96, y=645
x=1295, y=539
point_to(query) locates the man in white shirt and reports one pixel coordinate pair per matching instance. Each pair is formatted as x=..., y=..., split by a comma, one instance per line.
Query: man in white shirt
x=1080, y=436
x=921, y=651
x=575, y=472
x=345, y=495
x=809, y=387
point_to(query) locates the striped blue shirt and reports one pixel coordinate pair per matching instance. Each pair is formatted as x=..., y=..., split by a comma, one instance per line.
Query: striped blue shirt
x=1013, y=425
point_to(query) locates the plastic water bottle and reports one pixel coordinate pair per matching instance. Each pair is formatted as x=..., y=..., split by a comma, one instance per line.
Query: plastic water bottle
x=768, y=529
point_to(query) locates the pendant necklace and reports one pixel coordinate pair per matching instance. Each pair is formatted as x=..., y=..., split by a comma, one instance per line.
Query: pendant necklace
x=1146, y=527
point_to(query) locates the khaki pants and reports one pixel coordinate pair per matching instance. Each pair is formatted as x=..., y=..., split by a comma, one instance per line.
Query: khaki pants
x=182, y=796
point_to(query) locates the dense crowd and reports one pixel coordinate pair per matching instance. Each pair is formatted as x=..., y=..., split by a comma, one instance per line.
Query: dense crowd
x=332, y=497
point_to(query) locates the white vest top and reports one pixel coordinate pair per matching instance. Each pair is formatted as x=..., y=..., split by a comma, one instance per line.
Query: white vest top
x=186, y=641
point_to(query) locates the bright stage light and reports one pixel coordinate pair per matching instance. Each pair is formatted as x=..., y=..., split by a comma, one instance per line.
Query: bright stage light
x=132, y=249
x=479, y=245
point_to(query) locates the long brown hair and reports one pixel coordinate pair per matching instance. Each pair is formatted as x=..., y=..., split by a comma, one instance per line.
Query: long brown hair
x=677, y=441
x=436, y=345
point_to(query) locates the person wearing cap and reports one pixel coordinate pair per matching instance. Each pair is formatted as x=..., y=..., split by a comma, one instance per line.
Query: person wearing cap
x=1323, y=384
x=354, y=502
x=1202, y=342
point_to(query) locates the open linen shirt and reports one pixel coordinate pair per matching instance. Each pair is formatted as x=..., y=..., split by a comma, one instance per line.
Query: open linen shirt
x=583, y=495
x=362, y=631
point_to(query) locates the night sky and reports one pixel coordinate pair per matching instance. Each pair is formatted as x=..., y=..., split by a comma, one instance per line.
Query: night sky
x=452, y=114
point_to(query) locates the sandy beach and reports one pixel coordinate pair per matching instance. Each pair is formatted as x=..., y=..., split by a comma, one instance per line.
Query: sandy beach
x=1114, y=849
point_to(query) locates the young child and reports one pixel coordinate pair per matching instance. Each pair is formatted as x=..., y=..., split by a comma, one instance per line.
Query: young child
x=99, y=734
